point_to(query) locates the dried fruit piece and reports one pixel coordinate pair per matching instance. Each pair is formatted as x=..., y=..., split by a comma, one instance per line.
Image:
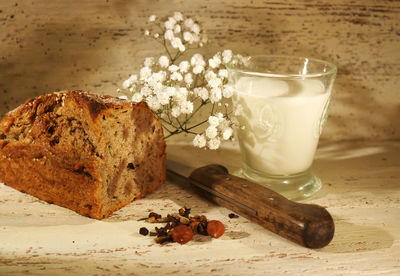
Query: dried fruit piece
x=163, y=239
x=184, y=220
x=215, y=228
x=182, y=234
x=182, y=227
x=184, y=212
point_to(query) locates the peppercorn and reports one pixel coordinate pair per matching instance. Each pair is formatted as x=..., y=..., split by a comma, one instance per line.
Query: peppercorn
x=143, y=231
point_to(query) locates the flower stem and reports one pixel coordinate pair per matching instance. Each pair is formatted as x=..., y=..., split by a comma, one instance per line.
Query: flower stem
x=196, y=125
x=197, y=109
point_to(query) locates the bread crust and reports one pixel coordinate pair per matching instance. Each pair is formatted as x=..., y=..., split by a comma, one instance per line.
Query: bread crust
x=52, y=148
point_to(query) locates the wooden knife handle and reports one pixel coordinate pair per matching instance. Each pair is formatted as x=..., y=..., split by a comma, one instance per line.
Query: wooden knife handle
x=309, y=225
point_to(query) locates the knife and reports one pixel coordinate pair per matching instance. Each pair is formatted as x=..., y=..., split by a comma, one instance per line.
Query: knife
x=309, y=225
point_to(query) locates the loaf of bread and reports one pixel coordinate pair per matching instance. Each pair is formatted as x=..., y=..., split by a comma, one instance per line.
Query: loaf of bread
x=92, y=154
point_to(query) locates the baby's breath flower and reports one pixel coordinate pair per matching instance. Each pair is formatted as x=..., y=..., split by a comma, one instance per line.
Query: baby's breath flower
x=213, y=121
x=223, y=73
x=184, y=66
x=181, y=94
x=177, y=29
x=176, y=111
x=169, y=35
x=188, y=79
x=226, y=56
x=153, y=103
x=227, y=133
x=187, y=36
x=227, y=91
x=215, y=82
x=176, y=76
x=170, y=91
x=224, y=124
x=197, y=59
x=130, y=81
x=149, y=61
x=211, y=132
x=189, y=23
x=202, y=92
x=199, y=141
x=152, y=81
x=152, y=18
x=215, y=95
x=178, y=16
x=220, y=117
x=163, y=61
x=137, y=97
x=173, y=87
x=163, y=98
x=210, y=75
x=173, y=68
x=170, y=23
x=146, y=91
x=198, y=69
x=159, y=76
x=214, y=62
x=145, y=72
x=176, y=43
x=195, y=28
x=214, y=143
x=186, y=107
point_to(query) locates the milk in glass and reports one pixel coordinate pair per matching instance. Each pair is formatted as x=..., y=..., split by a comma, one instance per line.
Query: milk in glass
x=280, y=122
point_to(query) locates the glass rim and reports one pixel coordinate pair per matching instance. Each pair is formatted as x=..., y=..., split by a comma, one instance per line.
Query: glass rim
x=332, y=71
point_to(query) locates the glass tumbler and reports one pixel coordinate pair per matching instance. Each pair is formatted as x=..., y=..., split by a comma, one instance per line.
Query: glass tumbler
x=281, y=104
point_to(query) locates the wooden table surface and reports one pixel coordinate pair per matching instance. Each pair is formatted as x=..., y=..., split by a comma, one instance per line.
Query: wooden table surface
x=361, y=190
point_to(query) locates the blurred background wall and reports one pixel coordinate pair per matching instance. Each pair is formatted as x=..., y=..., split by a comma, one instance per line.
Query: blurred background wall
x=94, y=45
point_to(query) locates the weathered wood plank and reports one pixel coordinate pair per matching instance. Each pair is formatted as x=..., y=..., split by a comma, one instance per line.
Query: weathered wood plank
x=52, y=45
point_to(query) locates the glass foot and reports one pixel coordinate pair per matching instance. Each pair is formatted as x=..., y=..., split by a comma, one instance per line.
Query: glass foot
x=293, y=187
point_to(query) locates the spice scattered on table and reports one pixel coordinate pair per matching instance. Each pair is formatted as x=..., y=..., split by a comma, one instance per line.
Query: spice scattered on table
x=181, y=227
x=143, y=231
x=233, y=215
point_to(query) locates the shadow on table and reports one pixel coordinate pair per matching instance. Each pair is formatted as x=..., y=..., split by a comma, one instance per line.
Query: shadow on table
x=350, y=237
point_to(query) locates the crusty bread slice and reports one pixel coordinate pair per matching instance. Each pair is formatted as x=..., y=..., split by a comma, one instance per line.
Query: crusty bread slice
x=92, y=154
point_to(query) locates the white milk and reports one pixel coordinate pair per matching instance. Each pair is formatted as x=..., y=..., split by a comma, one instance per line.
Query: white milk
x=282, y=121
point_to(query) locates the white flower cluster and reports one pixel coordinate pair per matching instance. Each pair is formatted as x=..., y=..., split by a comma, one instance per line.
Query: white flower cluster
x=178, y=31
x=177, y=90
x=220, y=128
